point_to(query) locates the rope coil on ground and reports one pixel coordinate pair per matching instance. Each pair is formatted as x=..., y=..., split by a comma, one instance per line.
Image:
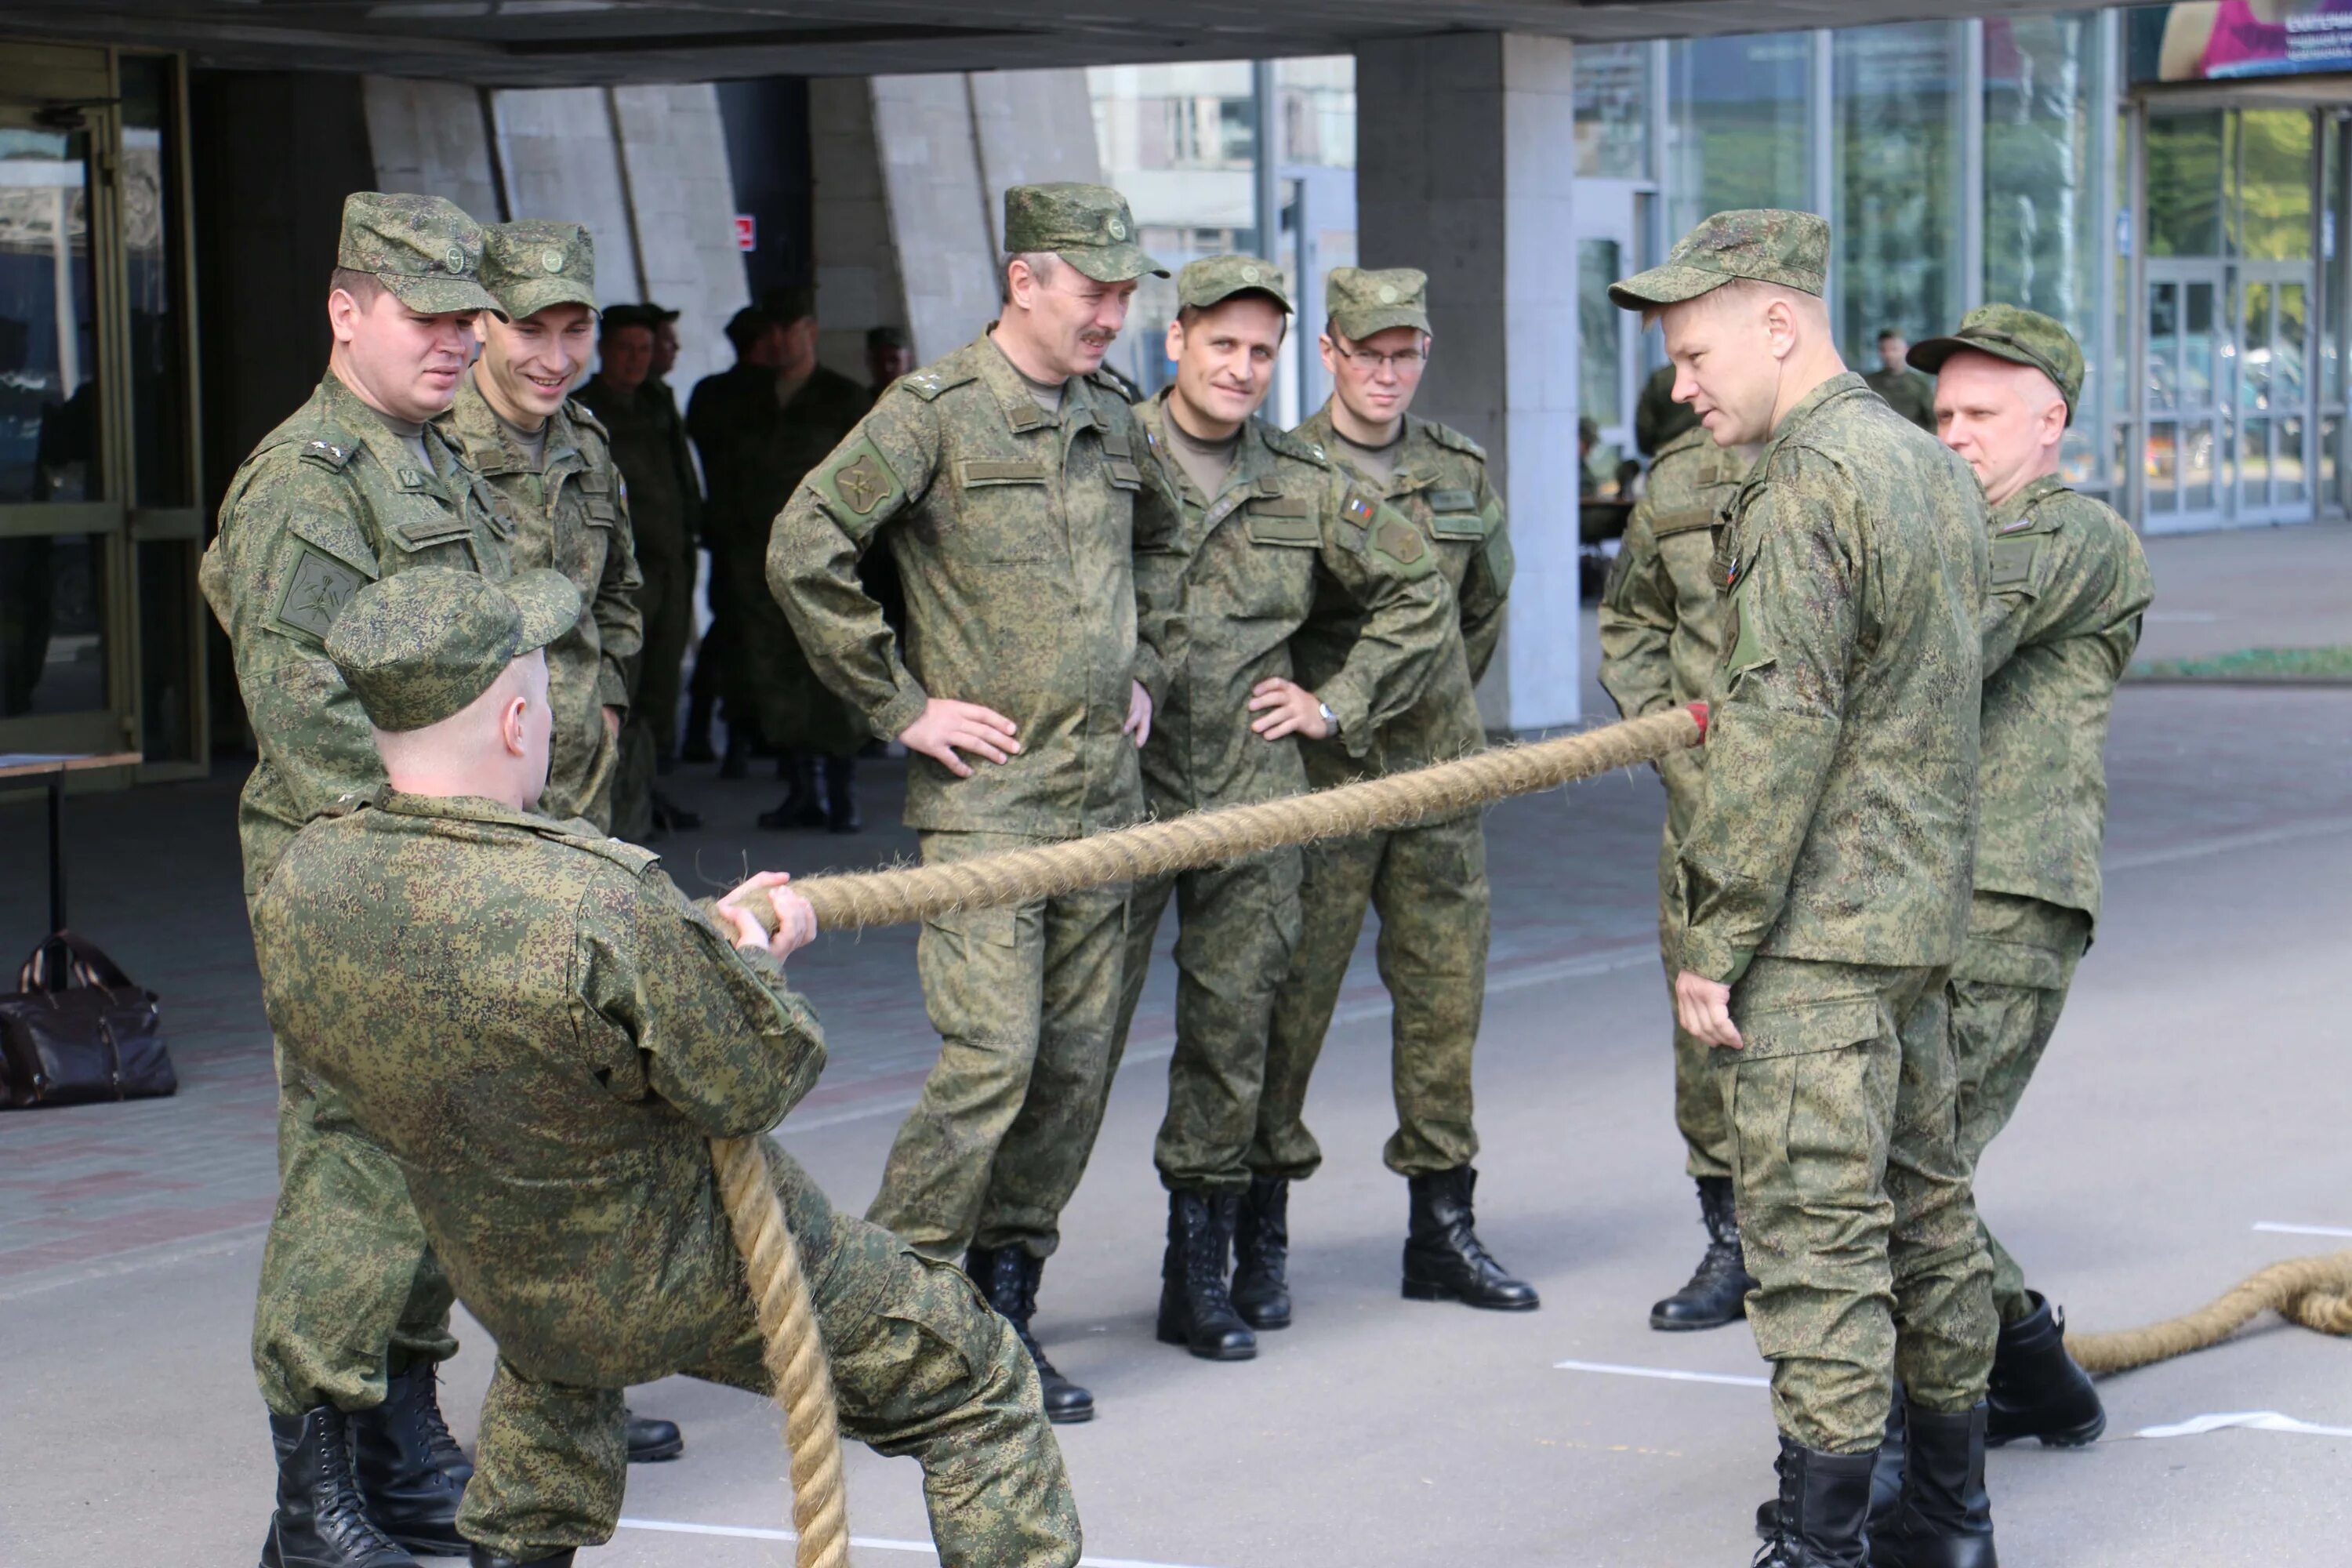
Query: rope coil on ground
x=2314, y=1291
x=795, y=1355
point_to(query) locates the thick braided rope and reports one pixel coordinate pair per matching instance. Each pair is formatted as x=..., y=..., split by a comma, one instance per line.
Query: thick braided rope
x=795, y=1355
x=2314, y=1291
x=1233, y=832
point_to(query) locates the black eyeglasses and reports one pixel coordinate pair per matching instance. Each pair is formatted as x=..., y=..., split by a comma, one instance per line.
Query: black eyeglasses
x=1405, y=362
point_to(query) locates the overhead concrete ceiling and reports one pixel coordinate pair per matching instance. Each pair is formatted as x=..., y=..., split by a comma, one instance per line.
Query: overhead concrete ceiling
x=556, y=42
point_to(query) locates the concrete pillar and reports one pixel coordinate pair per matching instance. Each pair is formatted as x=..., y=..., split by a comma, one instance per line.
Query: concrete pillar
x=1465, y=168
x=857, y=272
x=428, y=137
x=673, y=148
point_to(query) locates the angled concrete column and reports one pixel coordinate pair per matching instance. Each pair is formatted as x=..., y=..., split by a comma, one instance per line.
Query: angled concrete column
x=1465, y=168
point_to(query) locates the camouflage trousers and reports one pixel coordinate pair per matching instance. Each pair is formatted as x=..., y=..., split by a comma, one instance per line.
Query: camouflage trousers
x=2006, y=993
x=1024, y=999
x=1236, y=928
x=350, y=1288
x=1698, y=1092
x=1855, y=1209
x=920, y=1366
x=1429, y=885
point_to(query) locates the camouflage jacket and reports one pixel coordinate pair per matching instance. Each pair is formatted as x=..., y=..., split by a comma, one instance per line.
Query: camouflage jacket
x=648, y=442
x=1017, y=533
x=329, y=499
x=2068, y=585
x=1440, y=490
x=1908, y=392
x=572, y=513
x=540, y=1030
x=1662, y=617
x=1279, y=548
x=1840, y=806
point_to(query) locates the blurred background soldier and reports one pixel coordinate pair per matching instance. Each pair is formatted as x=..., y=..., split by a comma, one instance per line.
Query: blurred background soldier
x=648, y=440
x=1428, y=882
x=890, y=354
x=1271, y=544
x=1661, y=640
x=1908, y=392
x=1014, y=487
x=711, y=418
x=2069, y=585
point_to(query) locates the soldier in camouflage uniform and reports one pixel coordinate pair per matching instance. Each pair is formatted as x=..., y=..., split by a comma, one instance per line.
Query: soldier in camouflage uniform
x=558, y=492
x=1425, y=486
x=1825, y=885
x=544, y=1033
x=1016, y=492
x=358, y=484
x=1274, y=540
x=1908, y=392
x=1661, y=639
x=2069, y=585
x=1657, y=418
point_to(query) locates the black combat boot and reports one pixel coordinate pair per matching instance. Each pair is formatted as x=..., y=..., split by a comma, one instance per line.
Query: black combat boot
x=1195, y=1308
x=1443, y=1258
x=1942, y=1517
x=410, y=1472
x=801, y=808
x=321, y=1522
x=653, y=1439
x=1261, y=1254
x=1008, y=1276
x=483, y=1557
x=1718, y=1292
x=841, y=795
x=1885, y=1475
x=2037, y=1390
x=1821, y=1513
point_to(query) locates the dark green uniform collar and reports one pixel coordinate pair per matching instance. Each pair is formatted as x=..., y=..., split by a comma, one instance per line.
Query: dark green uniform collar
x=1418, y=465
x=473, y=808
x=999, y=375
x=480, y=437
x=1849, y=385
x=2035, y=492
x=1253, y=459
x=359, y=420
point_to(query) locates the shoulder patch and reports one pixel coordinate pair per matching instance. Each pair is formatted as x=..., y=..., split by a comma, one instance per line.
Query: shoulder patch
x=327, y=454
x=929, y=383
x=1444, y=436
x=1292, y=446
x=579, y=833
x=316, y=589
x=858, y=478
x=1398, y=541
x=1358, y=509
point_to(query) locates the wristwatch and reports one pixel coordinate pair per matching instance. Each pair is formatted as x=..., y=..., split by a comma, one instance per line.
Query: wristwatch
x=1330, y=719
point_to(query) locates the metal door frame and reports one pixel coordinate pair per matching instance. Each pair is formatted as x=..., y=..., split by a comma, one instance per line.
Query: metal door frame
x=2215, y=415
x=2242, y=511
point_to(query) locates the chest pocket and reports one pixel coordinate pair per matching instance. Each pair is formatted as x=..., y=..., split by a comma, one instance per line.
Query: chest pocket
x=1005, y=510
x=1687, y=521
x=598, y=506
x=428, y=532
x=2012, y=563
x=1454, y=514
x=1283, y=520
x=1118, y=461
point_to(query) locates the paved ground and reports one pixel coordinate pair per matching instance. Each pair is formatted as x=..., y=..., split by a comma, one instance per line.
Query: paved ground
x=2196, y=1091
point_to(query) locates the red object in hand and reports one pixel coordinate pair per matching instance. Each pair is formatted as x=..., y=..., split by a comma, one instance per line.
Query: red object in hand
x=1698, y=711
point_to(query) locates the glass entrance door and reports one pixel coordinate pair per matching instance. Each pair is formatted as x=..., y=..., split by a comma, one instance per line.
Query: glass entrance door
x=2274, y=454
x=2190, y=353
x=1609, y=215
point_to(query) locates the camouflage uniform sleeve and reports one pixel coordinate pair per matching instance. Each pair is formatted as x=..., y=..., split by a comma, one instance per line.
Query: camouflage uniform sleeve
x=1407, y=611
x=723, y=1040
x=288, y=556
x=880, y=469
x=1790, y=633
x=1163, y=551
x=620, y=620
x=2087, y=583
x=1486, y=586
x=1636, y=618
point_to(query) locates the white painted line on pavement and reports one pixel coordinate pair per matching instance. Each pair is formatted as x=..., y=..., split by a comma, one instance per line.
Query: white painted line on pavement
x=2252, y=1420
x=2224, y=843
x=864, y=1542
x=2277, y=1229
x=1735, y=1380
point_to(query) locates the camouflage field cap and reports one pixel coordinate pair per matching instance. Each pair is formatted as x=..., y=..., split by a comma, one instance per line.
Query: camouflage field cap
x=2016, y=335
x=533, y=264
x=426, y=250
x=419, y=646
x=1360, y=303
x=1767, y=244
x=1214, y=279
x=1086, y=226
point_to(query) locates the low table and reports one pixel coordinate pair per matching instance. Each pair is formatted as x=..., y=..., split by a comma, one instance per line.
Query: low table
x=52, y=769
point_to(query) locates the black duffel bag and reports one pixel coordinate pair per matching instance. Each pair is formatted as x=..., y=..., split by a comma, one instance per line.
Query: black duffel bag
x=78, y=1030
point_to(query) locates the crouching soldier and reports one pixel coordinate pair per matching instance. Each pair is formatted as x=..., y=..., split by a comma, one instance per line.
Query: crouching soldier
x=543, y=1033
